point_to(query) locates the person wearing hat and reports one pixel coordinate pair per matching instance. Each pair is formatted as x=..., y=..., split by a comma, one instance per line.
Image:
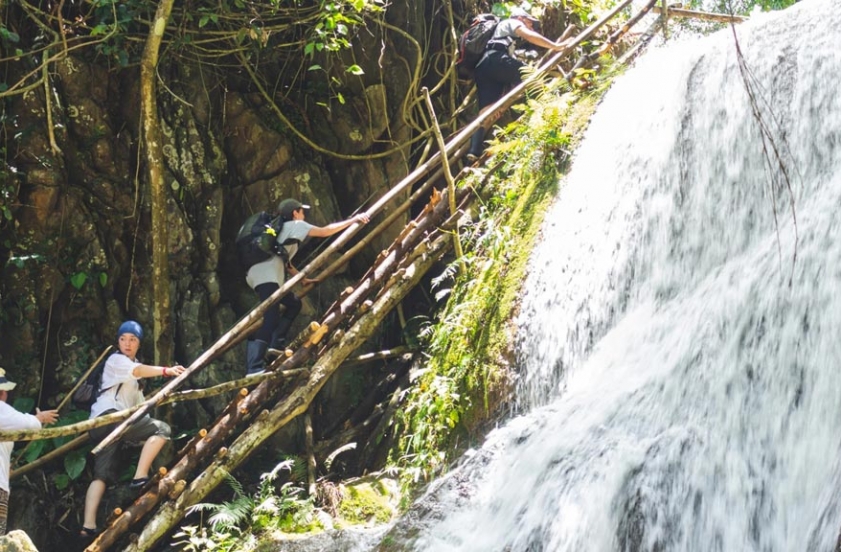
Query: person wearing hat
x=120, y=390
x=265, y=278
x=13, y=420
x=499, y=70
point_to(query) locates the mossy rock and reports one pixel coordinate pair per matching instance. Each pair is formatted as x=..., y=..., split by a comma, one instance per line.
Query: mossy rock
x=16, y=541
x=368, y=501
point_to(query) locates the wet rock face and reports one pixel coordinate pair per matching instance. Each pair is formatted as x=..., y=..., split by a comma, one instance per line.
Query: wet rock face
x=77, y=246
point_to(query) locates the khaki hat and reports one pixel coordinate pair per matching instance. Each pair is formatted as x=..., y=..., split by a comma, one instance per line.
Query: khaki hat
x=5, y=385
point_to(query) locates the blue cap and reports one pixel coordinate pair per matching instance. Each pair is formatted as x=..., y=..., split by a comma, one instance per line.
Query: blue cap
x=132, y=327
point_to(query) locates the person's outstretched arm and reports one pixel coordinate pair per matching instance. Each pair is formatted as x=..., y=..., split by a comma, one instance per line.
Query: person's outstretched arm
x=539, y=40
x=332, y=228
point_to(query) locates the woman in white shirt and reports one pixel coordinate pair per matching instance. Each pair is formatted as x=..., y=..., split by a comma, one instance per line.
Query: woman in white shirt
x=120, y=390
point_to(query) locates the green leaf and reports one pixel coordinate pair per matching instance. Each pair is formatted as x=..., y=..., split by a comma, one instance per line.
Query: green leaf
x=24, y=404
x=340, y=98
x=103, y=279
x=61, y=481
x=308, y=49
x=11, y=36
x=74, y=463
x=34, y=451
x=78, y=280
x=203, y=21
x=314, y=67
x=355, y=70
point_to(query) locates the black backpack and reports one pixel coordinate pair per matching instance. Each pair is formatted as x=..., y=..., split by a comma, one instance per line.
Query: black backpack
x=472, y=44
x=257, y=239
x=87, y=393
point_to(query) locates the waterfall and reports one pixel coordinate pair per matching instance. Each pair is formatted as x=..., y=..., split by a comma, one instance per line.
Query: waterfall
x=680, y=337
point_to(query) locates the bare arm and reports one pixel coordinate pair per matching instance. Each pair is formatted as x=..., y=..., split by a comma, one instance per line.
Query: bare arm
x=146, y=371
x=538, y=39
x=332, y=228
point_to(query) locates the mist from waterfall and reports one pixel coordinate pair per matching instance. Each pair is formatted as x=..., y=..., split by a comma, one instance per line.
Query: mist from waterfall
x=680, y=336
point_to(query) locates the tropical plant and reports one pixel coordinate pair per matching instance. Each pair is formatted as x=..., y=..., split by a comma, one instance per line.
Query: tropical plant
x=234, y=525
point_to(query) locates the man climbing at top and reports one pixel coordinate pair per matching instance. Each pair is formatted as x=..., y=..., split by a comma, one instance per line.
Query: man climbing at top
x=499, y=70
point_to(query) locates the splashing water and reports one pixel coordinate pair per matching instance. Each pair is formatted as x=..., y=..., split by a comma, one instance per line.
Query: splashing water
x=681, y=370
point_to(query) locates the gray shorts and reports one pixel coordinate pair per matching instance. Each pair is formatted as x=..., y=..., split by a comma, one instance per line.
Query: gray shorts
x=108, y=460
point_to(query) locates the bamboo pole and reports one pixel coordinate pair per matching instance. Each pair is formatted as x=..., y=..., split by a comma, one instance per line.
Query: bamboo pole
x=188, y=395
x=613, y=38
x=311, y=465
x=672, y=11
x=379, y=355
x=448, y=175
x=69, y=396
x=57, y=453
x=62, y=431
x=79, y=383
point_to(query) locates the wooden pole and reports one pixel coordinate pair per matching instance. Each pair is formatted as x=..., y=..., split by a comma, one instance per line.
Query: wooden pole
x=448, y=175
x=57, y=453
x=311, y=465
x=79, y=383
x=672, y=11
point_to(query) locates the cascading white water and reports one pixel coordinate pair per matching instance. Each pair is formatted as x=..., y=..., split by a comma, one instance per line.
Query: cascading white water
x=682, y=368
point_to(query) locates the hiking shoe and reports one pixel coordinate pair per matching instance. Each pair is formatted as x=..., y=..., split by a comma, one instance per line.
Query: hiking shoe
x=274, y=353
x=139, y=482
x=471, y=158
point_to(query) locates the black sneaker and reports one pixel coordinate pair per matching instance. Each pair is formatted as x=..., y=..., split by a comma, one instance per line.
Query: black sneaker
x=139, y=482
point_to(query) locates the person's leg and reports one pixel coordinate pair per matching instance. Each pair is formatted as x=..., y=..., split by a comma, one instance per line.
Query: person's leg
x=495, y=73
x=96, y=490
x=153, y=434
x=292, y=308
x=150, y=450
x=104, y=467
x=256, y=346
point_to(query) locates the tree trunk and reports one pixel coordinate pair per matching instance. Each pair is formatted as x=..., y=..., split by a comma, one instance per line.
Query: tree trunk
x=151, y=137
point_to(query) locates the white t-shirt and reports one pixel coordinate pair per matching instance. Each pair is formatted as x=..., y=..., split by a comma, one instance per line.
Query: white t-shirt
x=272, y=270
x=12, y=420
x=118, y=372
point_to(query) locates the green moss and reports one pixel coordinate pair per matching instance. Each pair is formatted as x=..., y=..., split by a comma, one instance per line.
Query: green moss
x=468, y=378
x=364, y=503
